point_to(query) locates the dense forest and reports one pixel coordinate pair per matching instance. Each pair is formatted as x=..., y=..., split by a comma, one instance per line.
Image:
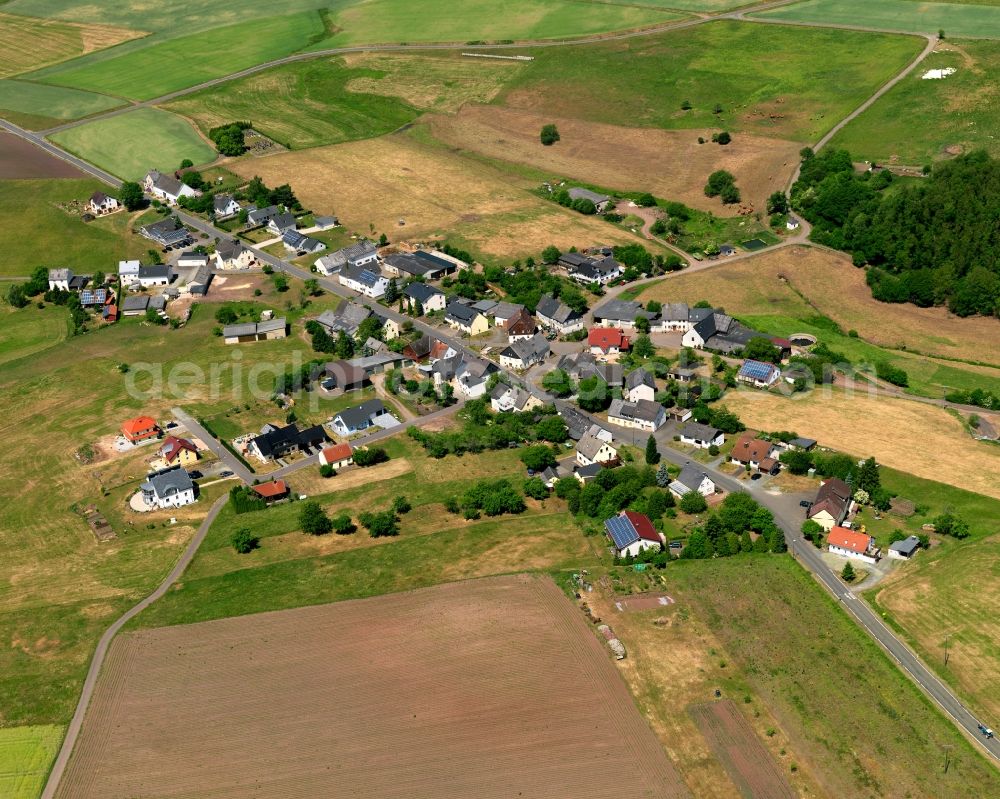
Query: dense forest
x=935, y=242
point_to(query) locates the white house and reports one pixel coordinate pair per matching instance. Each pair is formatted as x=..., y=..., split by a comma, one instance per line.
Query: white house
x=512, y=398
x=364, y=253
x=155, y=275
x=171, y=488
x=430, y=298
x=364, y=281
x=632, y=532
x=233, y=255
x=100, y=204
x=466, y=318
x=524, y=353
x=758, y=374
x=279, y=223
x=225, y=206
x=338, y=456
x=556, y=315
x=192, y=260
x=59, y=279
x=641, y=415
x=692, y=478
x=852, y=544
x=701, y=435
x=640, y=385
x=128, y=271
x=591, y=449
x=358, y=418
x=792, y=223
x=165, y=187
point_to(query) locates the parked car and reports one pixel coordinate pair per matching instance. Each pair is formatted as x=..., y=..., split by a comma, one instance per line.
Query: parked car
x=194, y=474
x=225, y=473
x=755, y=476
x=805, y=503
x=676, y=545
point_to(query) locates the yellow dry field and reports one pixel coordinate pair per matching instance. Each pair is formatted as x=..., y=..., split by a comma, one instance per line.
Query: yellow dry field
x=669, y=163
x=432, y=83
x=804, y=281
x=372, y=185
x=939, y=599
x=914, y=437
x=28, y=43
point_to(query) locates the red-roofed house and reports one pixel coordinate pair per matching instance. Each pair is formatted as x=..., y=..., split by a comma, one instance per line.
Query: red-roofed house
x=607, y=341
x=852, y=544
x=178, y=451
x=632, y=532
x=273, y=491
x=338, y=456
x=755, y=453
x=140, y=428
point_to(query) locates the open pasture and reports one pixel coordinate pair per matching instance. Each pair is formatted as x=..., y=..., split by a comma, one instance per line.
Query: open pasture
x=37, y=106
x=27, y=43
x=480, y=688
x=188, y=60
x=803, y=79
x=811, y=664
x=935, y=445
x=436, y=192
x=670, y=164
x=25, y=755
x=131, y=144
x=956, y=19
x=919, y=121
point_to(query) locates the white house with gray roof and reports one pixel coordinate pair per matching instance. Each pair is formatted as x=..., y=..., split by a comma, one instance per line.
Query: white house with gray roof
x=524, y=353
x=232, y=254
x=701, y=436
x=364, y=280
x=556, y=315
x=600, y=201
x=225, y=206
x=640, y=385
x=363, y=253
x=170, y=488
x=692, y=478
x=166, y=187
x=59, y=279
x=430, y=298
x=641, y=415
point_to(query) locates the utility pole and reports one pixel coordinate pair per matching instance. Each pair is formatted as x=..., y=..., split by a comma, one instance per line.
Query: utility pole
x=947, y=756
x=946, y=642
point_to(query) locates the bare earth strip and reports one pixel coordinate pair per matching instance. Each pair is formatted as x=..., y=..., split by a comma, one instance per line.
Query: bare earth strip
x=487, y=688
x=669, y=163
x=739, y=749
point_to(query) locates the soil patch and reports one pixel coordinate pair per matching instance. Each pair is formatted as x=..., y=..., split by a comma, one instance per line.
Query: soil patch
x=20, y=159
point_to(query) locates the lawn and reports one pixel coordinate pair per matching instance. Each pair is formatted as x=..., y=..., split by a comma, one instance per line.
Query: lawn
x=919, y=121
x=869, y=733
x=40, y=106
x=399, y=21
x=188, y=60
x=28, y=43
x=131, y=144
x=26, y=754
x=340, y=99
x=802, y=80
x=957, y=19
x=27, y=331
x=35, y=224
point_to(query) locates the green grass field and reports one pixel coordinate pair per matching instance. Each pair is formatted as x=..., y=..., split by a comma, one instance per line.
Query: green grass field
x=188, y=60
x=861, y=724
x=802, y=80
x=919, y=120
x=300, y=105
x=956, y=19
x=131, y=144
x=47, y=106
x=27, y=331
x=37, y=232
x=26, y=754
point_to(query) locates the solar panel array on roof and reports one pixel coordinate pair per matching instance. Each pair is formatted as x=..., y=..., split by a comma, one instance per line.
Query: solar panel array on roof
x=93, y=297
x=621, y=531
x=757, y=370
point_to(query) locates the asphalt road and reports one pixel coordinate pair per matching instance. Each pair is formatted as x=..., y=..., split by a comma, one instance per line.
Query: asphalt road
x=196, y=429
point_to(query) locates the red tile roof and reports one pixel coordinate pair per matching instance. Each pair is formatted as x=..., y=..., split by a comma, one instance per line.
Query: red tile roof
x=848, y=539
x=607, y=337
x=139, y=426
x=172, y=446
x=643, y=526
x=276, y=488
x=749, y=448
x=337, y=453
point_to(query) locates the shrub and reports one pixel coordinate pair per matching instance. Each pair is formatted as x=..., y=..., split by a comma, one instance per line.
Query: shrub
x=381, y=524
x=693, y=502
x=342, y=524
x=370, y=456
x=401, y=505
x=244, y=499
x=535, y=488
x=538, y=457
x=313, y=519
x=244, y=541
x=326, y=470
x=549, y=135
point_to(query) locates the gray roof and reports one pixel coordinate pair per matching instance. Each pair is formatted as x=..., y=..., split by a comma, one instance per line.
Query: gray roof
x=167, y=482
x=283, y=221
x=241, y=329
x=166, y=231
x=165, y=183
x=325, y=221
x=803, y=443
x=260, y=216
x=576, y=422
x=227, y=250
x=675, y=312
x=271, y=325
x=421, y=292
x=720, y=331
x=369, y=362
x=907, y=546
x=139, y=302
x=461, y=312
x=587, y=194
x=526, y=350
x=302, y=242
x=158, y=303
x=691, y=476
x=220, y=202
x=60, y=274
x=639, y=377
x=589, y=446
x=553, y=308
x=590, y=470
x=347, y=317
x=485, y=306
x=505, y=310
x=622, y=311
x=361, y=274
x=359, y=414
x=155, y=271
x=702, y=432
x=643, y=410
x=408, y=263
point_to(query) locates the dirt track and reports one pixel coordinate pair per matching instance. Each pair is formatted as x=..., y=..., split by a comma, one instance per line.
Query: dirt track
x=488, y=688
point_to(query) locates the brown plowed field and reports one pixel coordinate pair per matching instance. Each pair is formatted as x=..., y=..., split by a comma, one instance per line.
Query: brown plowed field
x=20, y=160
x=485, y=688
x=669, y=163
x=740, y=751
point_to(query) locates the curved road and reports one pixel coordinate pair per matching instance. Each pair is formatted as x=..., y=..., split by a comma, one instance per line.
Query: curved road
x=73, y=731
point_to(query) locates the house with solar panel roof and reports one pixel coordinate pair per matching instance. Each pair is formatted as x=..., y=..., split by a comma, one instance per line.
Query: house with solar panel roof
x=632, y=532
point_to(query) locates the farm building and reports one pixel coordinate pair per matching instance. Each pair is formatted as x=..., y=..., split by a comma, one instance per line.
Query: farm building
x=600, y=201
x=255, y=331
x=905, y=549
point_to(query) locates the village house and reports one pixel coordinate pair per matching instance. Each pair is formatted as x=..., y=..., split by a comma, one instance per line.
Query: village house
x=363, y=253
x=504, y=312
x=170, y=488
x=641, y=415
x=631, y=533
x=272, y=491
x=364, y=281
x=678, y=317
x=589, y=269
x=852, y=544
x=178, y=451
x=245, y=332
x=279, y=223
x=605, y=341
x=60, y=279
x=258, y=217
x=692, y=478
x=427, y=297
x=581, y=365
x=460, y=316
x=520, y=326
x=701, y=435
x=756, y=453
x=153, y=275
x=640, y=385
x=346, y=317
x=339, y=456
x=524, y=353
x=600, y=201
x=833, y=504
x=591, y=449
x=471, y=376
x=586, y=474
x=140, y=428
x=167, y=232
x=758, y=374
x=359, y=417
x=720, y=333
x=192, y=260
x=100, y=204
x=513, y=399
x=622, y=314
x=128, y=270
x=225, y=206
x=556, y=315
x=165, y=187
x=296, y=242
x=274, y=442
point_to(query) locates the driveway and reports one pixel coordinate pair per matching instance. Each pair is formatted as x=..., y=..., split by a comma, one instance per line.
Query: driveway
x=224, y=455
